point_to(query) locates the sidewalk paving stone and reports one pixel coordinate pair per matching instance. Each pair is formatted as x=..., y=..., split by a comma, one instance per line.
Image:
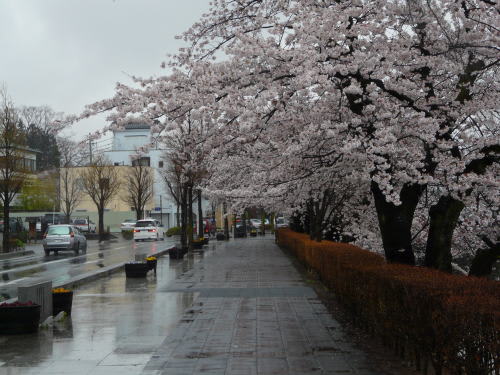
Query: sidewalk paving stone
x=254, y=314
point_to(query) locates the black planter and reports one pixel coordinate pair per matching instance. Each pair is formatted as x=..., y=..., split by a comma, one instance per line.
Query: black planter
x=197, y=244
x=136, y=269
x=62, y=302
x=151, y=265
x=176, y=253
x=19, y=319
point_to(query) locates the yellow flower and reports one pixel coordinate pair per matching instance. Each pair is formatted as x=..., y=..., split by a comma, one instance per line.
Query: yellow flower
x=60, y=290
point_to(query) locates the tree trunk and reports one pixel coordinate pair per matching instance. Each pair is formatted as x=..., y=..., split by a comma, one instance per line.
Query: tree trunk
x=184, y=209
x=100, y=212
x=395, y=222
x=190, y=218
x=443, y=218
x=482, y=264
x=200, y=216
x=177, y=224
x=226, y=223
x=139, y=214
x=6, y=227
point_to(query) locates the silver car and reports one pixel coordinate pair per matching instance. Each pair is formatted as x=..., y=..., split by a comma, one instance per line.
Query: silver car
x=63, y=237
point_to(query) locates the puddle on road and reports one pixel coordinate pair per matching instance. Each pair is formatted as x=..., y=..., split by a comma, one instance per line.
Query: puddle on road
x=113, y=316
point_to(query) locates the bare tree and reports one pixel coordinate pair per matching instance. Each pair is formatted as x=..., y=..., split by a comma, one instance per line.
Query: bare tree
x=70, y=189
x=71, y=192
x=13, y=170
x=43, y=117
x=101, y=182
x=139, y=187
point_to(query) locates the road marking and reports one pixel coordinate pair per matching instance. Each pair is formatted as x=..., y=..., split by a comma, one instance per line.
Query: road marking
x=15, y=281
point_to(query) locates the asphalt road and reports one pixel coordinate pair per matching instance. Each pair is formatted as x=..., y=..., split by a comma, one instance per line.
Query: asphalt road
x=65, y=265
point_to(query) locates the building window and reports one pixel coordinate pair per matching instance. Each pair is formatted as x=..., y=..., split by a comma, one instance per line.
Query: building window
x=144, y=161
x=160, y=164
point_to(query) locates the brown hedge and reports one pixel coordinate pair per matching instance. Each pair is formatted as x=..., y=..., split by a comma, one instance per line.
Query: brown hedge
x=450, y=321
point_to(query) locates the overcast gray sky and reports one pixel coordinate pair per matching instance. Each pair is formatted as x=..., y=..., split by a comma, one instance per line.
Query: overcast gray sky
x=69, y=53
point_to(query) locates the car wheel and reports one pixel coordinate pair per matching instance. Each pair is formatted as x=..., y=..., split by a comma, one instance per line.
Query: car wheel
x=77, y=250
x=47, y=252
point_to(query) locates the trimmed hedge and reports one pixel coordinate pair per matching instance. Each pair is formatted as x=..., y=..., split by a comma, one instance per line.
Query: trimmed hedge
x=426, y=315
x=174, y=231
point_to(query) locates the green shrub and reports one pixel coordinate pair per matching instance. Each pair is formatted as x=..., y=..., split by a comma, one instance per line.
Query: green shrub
x=173, y=231
x=449, y=320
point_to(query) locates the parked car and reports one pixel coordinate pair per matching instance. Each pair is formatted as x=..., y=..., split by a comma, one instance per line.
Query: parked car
x=85, y=225
x=128, y=225
x=281, y=222
x=63, y=237
x=16, y=225
x=256, y=223
x=239, y=230
x=148, y=229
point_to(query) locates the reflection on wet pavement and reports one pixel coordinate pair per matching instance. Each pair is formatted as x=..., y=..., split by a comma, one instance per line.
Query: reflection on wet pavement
x=115, y=327
x=61, y=268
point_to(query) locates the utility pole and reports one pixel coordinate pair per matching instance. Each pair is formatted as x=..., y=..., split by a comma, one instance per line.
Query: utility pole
x=161, y=212
x=90, y=149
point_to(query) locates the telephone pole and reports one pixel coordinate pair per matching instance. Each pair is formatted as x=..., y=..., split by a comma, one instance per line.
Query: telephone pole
x=90, y=148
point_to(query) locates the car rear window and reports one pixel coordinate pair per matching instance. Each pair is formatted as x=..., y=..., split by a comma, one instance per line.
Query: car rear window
x=58, y=230
x=79, y=221
x=145, y=224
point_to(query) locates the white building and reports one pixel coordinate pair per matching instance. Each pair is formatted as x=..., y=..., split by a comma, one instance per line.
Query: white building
x=124, y=151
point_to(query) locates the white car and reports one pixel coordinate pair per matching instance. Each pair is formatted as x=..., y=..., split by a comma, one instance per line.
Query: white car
x=148, y=229
x=281, y=222
x=256, y=223
x=127, y=225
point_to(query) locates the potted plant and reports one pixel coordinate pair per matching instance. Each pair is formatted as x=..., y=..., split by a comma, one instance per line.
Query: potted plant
x=19, y=317
x=151, y=262
x=198, y=243
x=62, y=300
x=136, y=269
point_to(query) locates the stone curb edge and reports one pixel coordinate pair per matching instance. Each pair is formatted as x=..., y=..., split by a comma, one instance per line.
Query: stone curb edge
x=106, y=271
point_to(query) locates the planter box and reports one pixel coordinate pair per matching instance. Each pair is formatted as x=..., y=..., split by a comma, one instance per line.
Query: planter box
x=176, y=253
x=62, y=302
x=136, y=269
x=197, y=244
x=19, y=319
x=152, y=265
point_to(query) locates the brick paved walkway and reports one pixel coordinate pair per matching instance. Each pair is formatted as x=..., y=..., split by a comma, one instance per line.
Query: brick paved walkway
x=253, y=314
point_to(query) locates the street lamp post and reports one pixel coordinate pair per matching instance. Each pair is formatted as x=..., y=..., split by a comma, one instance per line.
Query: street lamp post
x=161, y=212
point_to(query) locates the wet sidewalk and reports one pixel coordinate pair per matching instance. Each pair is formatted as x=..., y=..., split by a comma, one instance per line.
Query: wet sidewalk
x=239, y=307
x=254, y=314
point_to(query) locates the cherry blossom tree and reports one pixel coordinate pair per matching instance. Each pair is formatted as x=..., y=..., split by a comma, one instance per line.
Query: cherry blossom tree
x=292, y=103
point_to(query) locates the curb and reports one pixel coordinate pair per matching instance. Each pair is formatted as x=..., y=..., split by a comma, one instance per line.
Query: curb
x=16, y=254
x=94, y=275
x=106, y=271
